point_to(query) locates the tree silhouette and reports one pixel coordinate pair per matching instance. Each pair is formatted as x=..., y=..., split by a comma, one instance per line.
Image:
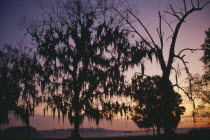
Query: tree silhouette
x=148, y=95
x=206, y=56
x=9, y=82
x=27, y=69
x=81, y=47
x=19, y=92
x=178, y=17
x=199, y=84
x=199, y=89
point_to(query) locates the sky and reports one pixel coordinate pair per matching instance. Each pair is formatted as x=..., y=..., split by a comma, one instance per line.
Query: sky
x=191, y=35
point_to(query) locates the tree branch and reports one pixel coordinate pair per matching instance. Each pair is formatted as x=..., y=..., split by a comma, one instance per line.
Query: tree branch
x=143, y=27
x=185, y=7
x=143, y=39
x=185, y=92
x=188, y=49
x=168, y=25
x=160, y=30
x=175, y=34
x=184, y=62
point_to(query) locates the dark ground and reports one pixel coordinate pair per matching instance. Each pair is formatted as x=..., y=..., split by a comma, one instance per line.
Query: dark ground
x=176, y=137
x=194, y=134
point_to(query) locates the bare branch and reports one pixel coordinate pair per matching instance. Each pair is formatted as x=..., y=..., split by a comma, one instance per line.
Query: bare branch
x=188, y=49
x=173, y=21
x=174, y=13
x=143, y=39
x=185, y=7
x=170, y=14
x=184, y=62
x=160, y=30
x=168, y=24
x=184, y=92
x=192, y=4
x=198, y=3
x=168, y=38
x=171, y=53
x=143, y=27
x=205, y=4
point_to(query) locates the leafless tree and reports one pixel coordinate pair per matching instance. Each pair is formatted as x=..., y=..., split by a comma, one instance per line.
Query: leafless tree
x=179, y=15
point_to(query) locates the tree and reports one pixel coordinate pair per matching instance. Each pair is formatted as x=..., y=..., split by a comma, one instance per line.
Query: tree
x=80, y=45
x=199, y=89
x=199, y=84
x=19, y=93
x=148, y=111
x=9, y=83
x=178, y=16
x=206, y=56
x=27, y=69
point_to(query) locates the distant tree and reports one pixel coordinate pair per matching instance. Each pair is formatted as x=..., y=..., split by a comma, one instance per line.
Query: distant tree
x=26, y=70
x=199, y=89
x=177, y=17
x=9, y=82
x=19, y=94
x=206, y=56
x=148, y=95
x=81, y=46
x=199, y=85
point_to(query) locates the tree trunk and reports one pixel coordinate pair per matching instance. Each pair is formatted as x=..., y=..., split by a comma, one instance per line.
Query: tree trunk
x=167, y=120
x=75, y=132
x=28, y=130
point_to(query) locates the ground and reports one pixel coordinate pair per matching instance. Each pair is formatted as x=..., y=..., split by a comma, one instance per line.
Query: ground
x=176, y=137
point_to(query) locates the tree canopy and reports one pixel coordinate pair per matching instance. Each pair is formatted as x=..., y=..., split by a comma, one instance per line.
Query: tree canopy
x=9, y=82
x=172, y=18
x=149, y=98
x=81, y=47
x=206, y=56
x=19, y=93
x=199, y=84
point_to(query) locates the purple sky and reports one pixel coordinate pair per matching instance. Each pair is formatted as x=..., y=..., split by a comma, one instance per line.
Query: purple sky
x=191, y=35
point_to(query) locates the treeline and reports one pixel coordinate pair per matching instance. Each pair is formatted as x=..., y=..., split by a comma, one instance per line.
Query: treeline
x=76, y=63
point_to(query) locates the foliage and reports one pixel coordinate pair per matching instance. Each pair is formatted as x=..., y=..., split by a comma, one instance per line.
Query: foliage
x=27, y=69
x=173, y=17
x=199, y=84
x=82, y=50
x=148, y=94
x=206, y=56
x=18, y=84
x=9, y=82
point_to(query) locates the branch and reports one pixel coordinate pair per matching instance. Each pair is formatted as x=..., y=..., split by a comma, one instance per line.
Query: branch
x=160, y=30
x=204, y=4
x=144, y=40
x=168, y=38
x=175, y=34
x=188, y=49
x=143, y=27
x=184, y=92
x=168, y=25
x=174, y=12
x=184, y=62
x=192, y=4
x=185, y=7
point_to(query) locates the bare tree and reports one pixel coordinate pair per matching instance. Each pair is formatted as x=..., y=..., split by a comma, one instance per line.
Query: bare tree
x=156, y=48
